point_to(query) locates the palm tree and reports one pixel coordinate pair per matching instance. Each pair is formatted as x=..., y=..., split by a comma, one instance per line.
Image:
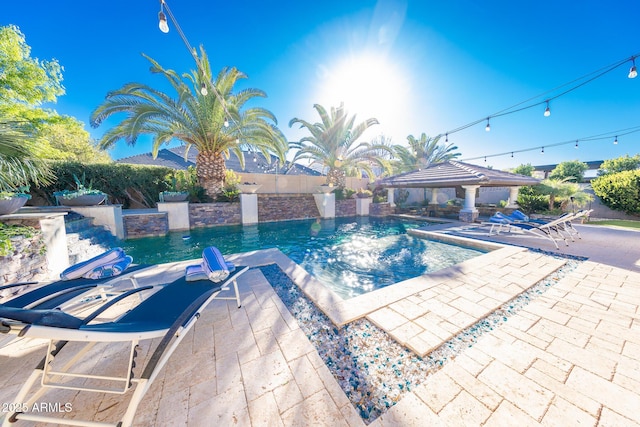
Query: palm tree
x=421, y=153
x=214, y=123
x=564, y=191
x=333, y=143
x=19, y=164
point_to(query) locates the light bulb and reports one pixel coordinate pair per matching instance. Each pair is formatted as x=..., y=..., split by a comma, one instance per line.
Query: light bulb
x=162, y=24
x=226, y=123
x=615, y=142
x=576, y=144
x=547, y=111
x=633, y=72
x=488, y=127
x=542, y=152
x=203, y=90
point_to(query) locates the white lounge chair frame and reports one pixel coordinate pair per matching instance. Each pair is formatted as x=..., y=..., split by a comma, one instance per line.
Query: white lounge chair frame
x=49, y=378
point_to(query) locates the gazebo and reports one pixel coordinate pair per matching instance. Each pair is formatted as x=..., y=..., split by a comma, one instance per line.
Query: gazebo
x=453, y=174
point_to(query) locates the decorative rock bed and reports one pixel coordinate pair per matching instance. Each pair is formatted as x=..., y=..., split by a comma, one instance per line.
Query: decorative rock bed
x=374, y=370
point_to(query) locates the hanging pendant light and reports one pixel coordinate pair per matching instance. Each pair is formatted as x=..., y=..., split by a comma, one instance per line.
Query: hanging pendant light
x=203, y=89
x=633, y=72
x=547, y=111
x=162, y=19
x=615, y=141
x=488, y=127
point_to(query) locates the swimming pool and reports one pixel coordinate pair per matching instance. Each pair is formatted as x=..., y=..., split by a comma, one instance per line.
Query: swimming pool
x=352, y=255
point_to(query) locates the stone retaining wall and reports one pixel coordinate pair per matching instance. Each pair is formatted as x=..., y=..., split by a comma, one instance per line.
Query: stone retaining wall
x=380, y=209
x=219, y=213
x=280, y=207
x=346, y=207
x=24, y=263
x=147, y=224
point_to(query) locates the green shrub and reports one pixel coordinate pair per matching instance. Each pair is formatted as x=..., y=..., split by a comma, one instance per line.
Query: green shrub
x=123, y=183
x=9, y=231
x=344, y=193
x=530, y=200
x=619, y=191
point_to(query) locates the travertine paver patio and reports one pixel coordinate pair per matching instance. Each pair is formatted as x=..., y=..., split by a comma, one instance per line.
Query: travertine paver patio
x=567, y=358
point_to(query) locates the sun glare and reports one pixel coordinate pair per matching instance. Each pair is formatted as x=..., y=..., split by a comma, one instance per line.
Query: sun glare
x=369, y=86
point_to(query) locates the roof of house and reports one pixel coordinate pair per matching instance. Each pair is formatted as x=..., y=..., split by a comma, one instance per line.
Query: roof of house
x=453, y=173
x=253, y=162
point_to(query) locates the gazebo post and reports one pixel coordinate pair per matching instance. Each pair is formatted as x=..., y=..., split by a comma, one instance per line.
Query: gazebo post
x=469, y=213
x=390, y=194
x=434, y=196
x=513, y=197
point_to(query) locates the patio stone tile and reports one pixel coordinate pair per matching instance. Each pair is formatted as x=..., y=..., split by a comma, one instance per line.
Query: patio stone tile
x=306, y=376
x=287, y=396
x=317, y=410
x=611, y=395
x=559, y=388
x=405, y=332
x=508, y=415
x=589, y=360
x=466, y=410
x=547, y=328
x=410, y=411
x=266, y=341
x=563, y=413
x=630, y=384
x=408, y=309
x=228, y=374
x=294, y=344
x=608, y=418
x=550, y=370
x=438, y=390
x=225, y=409
x=264, y=411
x=519, y=390
x=265, y=374
x=202, y=391
x=470, y=308
x=386, y=319
x=458, y=373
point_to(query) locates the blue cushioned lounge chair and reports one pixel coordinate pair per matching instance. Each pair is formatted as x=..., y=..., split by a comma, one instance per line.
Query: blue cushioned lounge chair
x=168, y=312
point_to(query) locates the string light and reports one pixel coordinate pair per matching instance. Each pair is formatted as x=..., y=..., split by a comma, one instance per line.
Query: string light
x=599, y=137
x=572, y=85
x=203, y=89
x=547, y=111
x=446, y=139
x=633, y=72
x=488, y=127
x=164, y=27
x=162, y=19
x=226, y=123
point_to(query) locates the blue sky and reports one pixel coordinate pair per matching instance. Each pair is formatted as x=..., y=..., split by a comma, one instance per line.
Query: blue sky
x=417, y=66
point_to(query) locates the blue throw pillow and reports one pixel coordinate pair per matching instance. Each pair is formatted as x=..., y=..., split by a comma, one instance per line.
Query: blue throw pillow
x=85, y=267
x=109, y=270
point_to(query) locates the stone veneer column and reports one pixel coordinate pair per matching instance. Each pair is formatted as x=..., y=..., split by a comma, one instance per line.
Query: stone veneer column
x=469, y=213
x=249, y=208
x=177, y=214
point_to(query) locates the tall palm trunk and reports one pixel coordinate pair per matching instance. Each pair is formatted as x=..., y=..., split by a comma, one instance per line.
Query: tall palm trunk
x=211, y=170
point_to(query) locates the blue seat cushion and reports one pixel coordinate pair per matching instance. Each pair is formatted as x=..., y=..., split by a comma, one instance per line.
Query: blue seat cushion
x=110, y=269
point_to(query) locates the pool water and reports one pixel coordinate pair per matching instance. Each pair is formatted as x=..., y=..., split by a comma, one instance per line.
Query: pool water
x=352, y=256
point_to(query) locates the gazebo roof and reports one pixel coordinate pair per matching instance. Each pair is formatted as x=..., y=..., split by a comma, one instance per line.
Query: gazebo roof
x=452, y=173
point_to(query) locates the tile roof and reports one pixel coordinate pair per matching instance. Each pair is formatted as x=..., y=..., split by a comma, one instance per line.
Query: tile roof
x=254, y=162
x=453, y=173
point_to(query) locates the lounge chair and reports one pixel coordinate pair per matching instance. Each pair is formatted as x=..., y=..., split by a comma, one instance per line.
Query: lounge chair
x=168, y=313
x=545, y=230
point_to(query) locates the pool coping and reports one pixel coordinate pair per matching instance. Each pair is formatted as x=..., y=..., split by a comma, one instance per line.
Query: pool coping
x=341, y=311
